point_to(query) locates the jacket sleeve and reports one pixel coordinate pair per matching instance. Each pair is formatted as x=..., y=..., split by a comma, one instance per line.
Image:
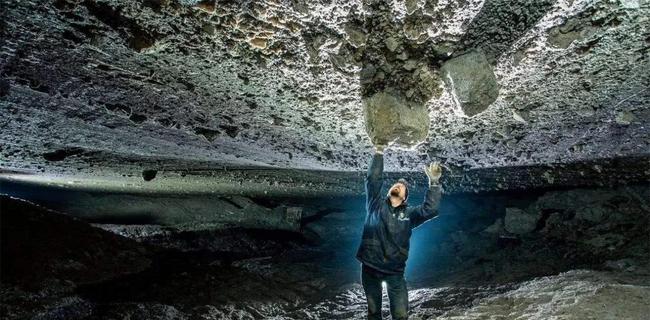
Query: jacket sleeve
x=428, y=209
x=374, y=181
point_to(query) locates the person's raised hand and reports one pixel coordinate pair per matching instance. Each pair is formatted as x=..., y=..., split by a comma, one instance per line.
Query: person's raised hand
x=433, y=172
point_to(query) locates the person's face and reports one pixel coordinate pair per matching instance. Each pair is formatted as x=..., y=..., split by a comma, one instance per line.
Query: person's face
x=398, y=190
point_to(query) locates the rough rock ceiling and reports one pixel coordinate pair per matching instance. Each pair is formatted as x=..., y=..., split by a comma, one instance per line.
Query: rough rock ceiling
x=114, y=84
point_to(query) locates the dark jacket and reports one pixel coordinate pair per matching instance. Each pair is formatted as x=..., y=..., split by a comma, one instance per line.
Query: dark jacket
x=387, y=230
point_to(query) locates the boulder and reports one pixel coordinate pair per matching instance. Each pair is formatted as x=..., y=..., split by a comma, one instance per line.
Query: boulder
x=519, y=221
x=472, y=82
x=391, y=119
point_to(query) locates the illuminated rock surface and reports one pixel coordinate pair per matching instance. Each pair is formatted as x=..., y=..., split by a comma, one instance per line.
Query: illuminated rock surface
x=471, y=82
x=396, y=122
x=110, y=88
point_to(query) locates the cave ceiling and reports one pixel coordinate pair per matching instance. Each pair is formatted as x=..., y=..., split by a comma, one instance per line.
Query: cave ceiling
x=313, y=84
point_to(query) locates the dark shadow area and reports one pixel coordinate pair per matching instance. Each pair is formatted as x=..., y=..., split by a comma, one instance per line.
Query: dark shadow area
x=39, y=244
x=500, y=23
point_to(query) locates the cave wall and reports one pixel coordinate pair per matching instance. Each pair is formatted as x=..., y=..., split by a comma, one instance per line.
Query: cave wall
x=56, y=265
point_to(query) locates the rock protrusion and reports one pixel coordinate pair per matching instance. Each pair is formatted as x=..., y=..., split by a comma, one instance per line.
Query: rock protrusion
x=519, y=221
x=471, y=81
x=391, y=119
x=61, y=154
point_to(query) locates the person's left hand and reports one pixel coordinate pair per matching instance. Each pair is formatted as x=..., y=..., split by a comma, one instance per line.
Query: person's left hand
x=434, y=172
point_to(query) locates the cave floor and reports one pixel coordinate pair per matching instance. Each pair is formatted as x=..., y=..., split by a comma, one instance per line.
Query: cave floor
x=295, y=285
x=56, y=266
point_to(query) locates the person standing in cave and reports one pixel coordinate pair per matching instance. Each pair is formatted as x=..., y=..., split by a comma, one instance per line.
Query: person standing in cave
x=386, y=235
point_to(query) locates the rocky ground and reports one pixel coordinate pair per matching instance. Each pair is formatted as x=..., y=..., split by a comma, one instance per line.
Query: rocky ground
x=563, y=254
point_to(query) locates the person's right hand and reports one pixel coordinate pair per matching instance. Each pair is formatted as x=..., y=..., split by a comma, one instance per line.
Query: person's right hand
x=433, y=171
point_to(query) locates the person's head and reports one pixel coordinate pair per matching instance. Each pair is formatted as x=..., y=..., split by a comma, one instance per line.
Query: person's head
x=399, y=191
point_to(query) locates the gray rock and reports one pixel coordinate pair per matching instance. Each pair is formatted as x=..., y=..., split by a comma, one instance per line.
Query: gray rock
x=189, y=213
x=624, y=118
x=471, y=80
x=356, y=37
x=519, y=221
x=621, y=264
x=593, y=213
x=495, y=228
x=158, y=83
x=393, y=120
x=391, y=44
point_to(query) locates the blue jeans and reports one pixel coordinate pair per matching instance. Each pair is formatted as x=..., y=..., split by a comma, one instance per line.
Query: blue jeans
x=397, y=294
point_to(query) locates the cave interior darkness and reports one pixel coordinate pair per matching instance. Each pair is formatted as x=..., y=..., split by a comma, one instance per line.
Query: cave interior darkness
x=206, y=159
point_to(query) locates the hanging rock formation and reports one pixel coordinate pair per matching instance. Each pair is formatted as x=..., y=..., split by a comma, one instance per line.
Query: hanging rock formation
x=104, y=88
x=471, y=82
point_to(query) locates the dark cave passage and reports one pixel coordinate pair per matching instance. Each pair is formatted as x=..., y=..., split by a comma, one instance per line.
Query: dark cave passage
x=481, y=246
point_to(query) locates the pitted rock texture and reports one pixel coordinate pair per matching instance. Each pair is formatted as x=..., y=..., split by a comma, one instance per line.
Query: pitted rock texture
x=113, y=84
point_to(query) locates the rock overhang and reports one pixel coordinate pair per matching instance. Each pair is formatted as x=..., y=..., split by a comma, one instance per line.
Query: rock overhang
x=118, y=83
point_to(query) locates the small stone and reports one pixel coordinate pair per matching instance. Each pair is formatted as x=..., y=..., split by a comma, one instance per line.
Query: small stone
x=208, y=28
x=495, y=228
x=586, y=111
x=630, y=4
x=593, y=214
x=391, y=44
x=411, y=6
x=622, y=264
x=444, y=49
x=624, y=118
x=518, y=117
x=548, y=176
x=410, y=65
x=259, y=43
x=208, y=6
x=356, y=38
x=429, y=82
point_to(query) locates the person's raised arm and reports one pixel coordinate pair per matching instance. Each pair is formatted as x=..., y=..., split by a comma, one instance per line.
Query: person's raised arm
x=374, y=178
x=429, y=208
